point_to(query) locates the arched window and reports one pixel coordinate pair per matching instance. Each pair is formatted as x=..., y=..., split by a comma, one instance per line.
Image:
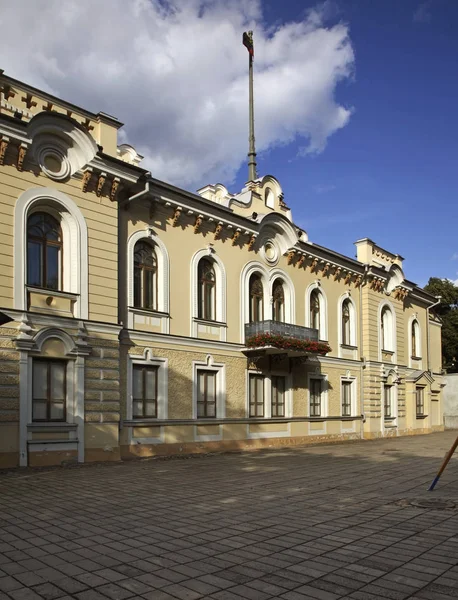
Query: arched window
x=346, y=323
x=278, y=296
x=207, y=289
x=145, y=276
x=315, y=309
x=386, y=329
x=44, y=251
x=415, y=340
x=256, y=299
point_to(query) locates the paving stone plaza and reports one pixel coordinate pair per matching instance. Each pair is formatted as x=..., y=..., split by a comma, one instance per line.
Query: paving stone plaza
x=323, y=522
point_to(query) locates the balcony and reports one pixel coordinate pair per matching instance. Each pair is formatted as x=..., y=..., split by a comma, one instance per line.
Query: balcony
x=274, y=337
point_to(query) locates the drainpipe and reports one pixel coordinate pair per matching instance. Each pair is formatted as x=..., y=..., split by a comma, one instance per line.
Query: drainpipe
x=428, y=350
x=363, y=360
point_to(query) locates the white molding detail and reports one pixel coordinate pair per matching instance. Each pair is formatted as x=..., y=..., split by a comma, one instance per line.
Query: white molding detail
x=75, y=245
x=323, y=331
x=350, y=425
x=163, y=274
x=220, y=370
x=221, y=291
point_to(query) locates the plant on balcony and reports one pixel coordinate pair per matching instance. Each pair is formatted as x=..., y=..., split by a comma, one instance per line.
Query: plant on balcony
x=287, y=343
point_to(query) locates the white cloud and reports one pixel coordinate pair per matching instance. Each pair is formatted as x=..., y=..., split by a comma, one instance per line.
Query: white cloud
x=423, y=13
x=176, y=74
x=323, y=188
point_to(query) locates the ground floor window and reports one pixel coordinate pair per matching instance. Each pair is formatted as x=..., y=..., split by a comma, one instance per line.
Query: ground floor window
x=278, y=396
x=420, y=401
x=144, y=391
x=206, y=394
x=316, y=393
x=346, y=395
x=256, y=396
x=49, y=390
x=388, y=401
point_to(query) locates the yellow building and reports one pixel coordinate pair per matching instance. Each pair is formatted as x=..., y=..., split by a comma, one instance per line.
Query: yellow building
x=142, y=319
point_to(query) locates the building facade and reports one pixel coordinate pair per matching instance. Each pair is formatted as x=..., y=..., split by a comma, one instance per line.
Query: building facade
x=141, y=319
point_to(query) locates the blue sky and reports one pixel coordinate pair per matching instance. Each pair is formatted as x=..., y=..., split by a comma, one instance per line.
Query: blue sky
x=391, y=173
x=371, y=84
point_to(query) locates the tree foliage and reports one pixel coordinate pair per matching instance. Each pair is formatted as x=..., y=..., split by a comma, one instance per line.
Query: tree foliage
x=448, y=312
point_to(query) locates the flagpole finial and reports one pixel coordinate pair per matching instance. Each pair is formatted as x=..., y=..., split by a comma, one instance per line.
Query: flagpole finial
x=248, y=43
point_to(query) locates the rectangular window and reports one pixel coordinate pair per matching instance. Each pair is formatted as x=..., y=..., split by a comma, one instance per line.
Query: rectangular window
x=346, y=398
x=256, y=396
x=49, y=390
x=315, y=397
x=144, y=392
x=278, y=396
x=420, y=401
x=206, y=394
x=387, y=401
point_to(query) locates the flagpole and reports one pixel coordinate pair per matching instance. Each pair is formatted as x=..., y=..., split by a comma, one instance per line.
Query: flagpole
x=252, y=175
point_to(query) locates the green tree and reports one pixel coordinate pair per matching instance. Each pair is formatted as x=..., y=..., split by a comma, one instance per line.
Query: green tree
x=448, y=312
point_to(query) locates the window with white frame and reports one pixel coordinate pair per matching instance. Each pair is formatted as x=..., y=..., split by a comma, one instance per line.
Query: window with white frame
x=415, y=340
x=269, y=396
x=209, y=389
x=256, y=298
x=49, y=390
x=206, y=394
x=316, y=312
x=347, y=323
x=206, y=290
x=316, y=408
x=387, y=330
x=278, y=301
x=347, y=397
x=144, y=391
x=145, y=276
x=208, y=295
x=388, y=396
x=50, y=248
x=147, y=386
x=420, y=401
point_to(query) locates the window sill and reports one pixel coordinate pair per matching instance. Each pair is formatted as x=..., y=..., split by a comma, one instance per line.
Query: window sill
x=57, y=293
x=415, y=358
x=209, y=322
x=348, y=347
x=420, y=417
x=390, y=352
x=389, y=419
x=47, y=426
x=148, y=311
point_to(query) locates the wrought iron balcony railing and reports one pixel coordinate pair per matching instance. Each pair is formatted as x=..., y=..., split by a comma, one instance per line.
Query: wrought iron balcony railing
x=278, y=328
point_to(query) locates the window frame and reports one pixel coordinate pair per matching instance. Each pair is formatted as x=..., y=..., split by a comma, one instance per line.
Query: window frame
x=420, y=393
x=257, y=297
x=144, y=368
x=388, y=391
x=274, y=403
x=256, y=402
x=44, y=244
x=206, y=373
x=205, y=312
x=49, y=362
x=143, y=269
x=344, y=385
x=278, y=303
x=312, y=396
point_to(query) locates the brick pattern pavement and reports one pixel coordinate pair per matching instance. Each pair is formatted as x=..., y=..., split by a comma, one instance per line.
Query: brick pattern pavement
x=315, y=523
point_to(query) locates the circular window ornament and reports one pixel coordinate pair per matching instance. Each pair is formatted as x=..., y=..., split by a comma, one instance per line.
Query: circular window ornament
x=270, y=252
x=53, y=162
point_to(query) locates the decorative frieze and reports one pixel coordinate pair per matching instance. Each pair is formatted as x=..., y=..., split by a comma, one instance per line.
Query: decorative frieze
x=337, y=273
x=29, y=101
x=314, y=265
x=301, y=261
x=291, y=255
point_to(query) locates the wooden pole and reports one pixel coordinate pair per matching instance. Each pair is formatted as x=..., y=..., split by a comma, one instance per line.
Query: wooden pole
x=444, y=464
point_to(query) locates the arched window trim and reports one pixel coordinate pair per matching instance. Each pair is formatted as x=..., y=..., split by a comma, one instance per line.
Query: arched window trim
x=163, y=272
x=44, y=242
x=248, y=270
x=392, y=343
x=75, y=245
x=353, y=320
x=323, y=330
x=258, y=314
x=289, y=291
x=220, y=293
